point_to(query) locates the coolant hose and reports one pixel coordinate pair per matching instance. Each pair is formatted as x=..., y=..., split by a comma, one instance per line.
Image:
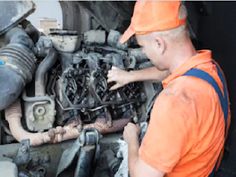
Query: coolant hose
x=18, y=36
x=45, y=65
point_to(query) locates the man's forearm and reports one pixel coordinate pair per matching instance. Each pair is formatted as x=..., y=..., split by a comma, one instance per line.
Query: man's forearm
x=133, y=157
x=137, y=167
x=151, y=73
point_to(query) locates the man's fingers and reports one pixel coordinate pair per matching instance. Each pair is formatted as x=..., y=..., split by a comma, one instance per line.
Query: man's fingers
x=115, y=75
x=109, y=72
x=110, y=79
x=111, y=75
x=114, y=87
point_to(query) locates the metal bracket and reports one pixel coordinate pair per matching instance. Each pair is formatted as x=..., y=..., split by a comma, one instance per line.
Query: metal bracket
x=23, y=153
x=88, y=137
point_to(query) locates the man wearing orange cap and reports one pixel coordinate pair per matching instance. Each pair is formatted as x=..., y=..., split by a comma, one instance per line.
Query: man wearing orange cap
x=186, y=132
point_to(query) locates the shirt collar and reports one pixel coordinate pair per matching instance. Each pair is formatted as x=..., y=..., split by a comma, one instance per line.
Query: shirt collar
x=202, y=56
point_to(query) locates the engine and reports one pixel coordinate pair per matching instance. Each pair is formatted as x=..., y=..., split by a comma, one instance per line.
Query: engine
x=54, y=88
x=76, y=88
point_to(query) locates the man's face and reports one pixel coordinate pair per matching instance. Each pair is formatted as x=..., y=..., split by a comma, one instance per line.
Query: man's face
x=151, y=49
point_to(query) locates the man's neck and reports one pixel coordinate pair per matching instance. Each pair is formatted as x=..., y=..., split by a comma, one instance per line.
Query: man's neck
x=181, y=54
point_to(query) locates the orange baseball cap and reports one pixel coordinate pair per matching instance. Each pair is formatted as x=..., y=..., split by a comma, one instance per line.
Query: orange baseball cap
x=153, y=15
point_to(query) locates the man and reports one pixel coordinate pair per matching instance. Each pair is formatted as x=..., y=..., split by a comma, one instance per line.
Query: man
x=186, y=131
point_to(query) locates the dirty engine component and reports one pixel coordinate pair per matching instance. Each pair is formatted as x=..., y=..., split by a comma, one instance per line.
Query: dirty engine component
x=82, y=90
x=17, y=65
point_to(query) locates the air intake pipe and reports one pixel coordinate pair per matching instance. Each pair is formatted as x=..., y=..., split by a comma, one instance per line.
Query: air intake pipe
x=17, y=65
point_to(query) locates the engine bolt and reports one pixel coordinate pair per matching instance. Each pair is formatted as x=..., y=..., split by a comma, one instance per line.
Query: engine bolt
x=40, y=111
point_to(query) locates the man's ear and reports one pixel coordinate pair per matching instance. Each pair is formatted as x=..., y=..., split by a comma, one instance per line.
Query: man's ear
x=161, y=44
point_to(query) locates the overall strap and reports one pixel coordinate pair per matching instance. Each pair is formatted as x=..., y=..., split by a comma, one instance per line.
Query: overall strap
x=223, y=97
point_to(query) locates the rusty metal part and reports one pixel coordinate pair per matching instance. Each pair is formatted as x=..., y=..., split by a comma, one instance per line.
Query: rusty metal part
x=104, y=128
x=39, y=112
x=13, y=115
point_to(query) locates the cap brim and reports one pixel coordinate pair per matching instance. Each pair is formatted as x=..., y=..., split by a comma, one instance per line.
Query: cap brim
x=127, y=34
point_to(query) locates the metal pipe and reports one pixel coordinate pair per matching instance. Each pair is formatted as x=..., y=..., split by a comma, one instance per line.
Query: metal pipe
x=35, y=99
x=18, y=36
x=71, y=131
x=85, y=161
x=45, y=65
x=30, y=30
x=101, y=125
x=13, y=115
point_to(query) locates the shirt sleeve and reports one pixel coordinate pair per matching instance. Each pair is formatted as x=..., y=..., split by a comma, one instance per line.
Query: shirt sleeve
x=166, y=139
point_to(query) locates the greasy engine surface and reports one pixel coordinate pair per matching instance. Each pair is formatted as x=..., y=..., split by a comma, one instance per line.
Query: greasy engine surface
x=64, y=95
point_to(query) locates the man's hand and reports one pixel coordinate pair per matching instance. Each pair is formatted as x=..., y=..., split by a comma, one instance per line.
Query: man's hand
x=119, y=76
x=131, y=133
x=137, y=167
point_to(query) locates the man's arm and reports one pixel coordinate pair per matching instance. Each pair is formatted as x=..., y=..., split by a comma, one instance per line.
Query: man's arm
x=137, y=167
x=122, y=77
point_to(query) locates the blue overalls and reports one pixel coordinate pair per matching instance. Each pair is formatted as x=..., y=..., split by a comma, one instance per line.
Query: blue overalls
x=223, y=97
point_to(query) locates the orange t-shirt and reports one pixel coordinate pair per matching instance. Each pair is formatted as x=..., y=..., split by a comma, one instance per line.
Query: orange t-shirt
x=186, y=131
